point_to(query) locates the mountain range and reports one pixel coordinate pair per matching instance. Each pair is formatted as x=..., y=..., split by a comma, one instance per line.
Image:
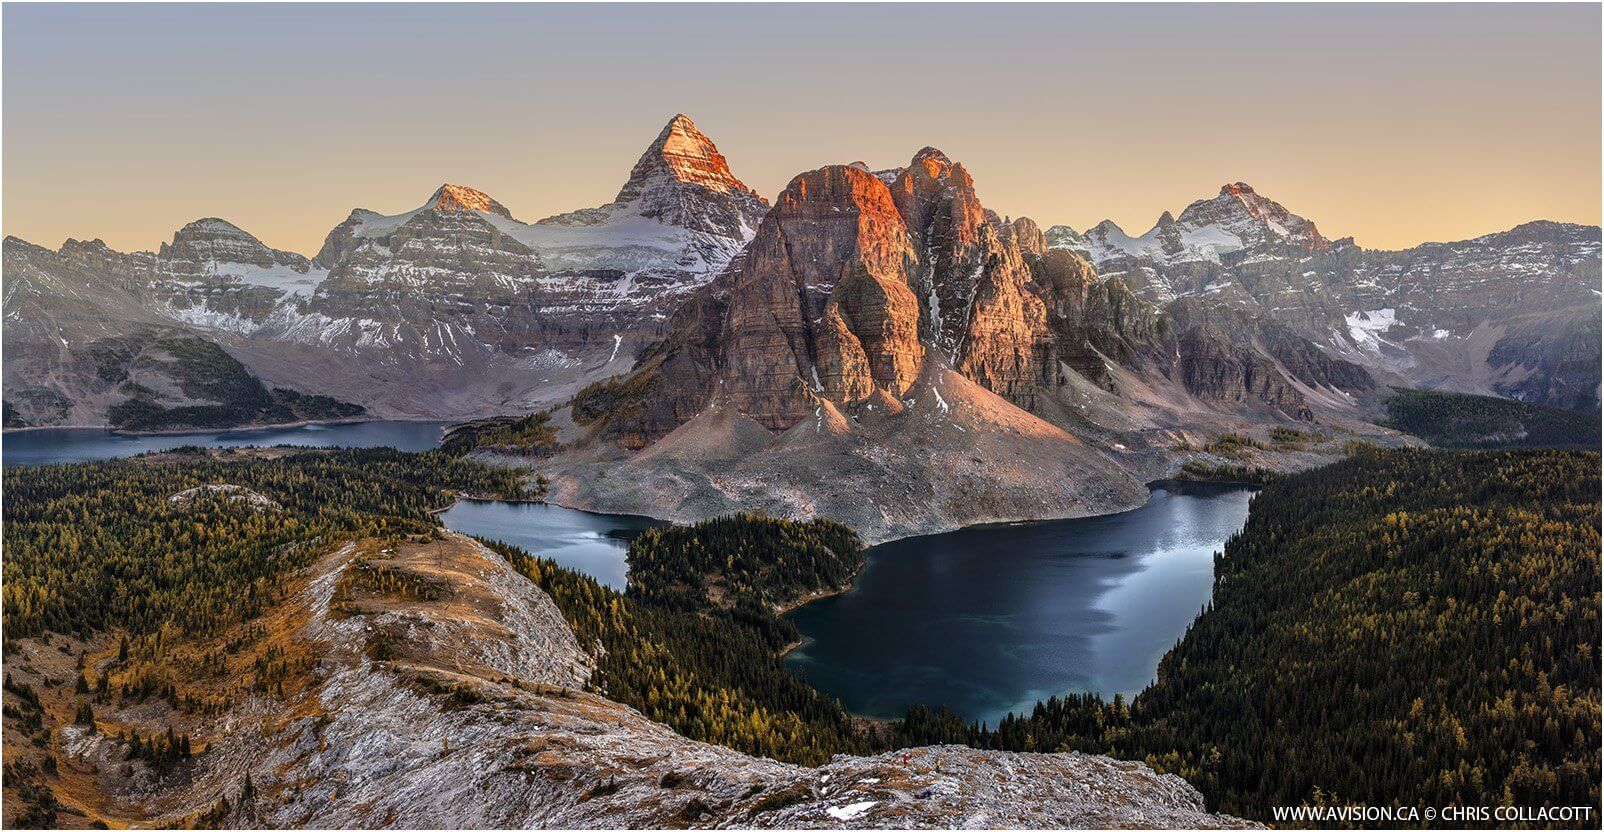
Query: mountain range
x=454, y=308
x=1511, y=314
x=877, y=346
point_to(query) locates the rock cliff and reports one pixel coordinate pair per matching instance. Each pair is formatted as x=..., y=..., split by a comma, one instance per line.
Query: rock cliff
x=856, y=283
x=890, y=354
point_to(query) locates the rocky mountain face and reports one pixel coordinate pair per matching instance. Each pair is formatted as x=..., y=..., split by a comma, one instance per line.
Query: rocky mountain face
x=1507, y=313
x=853, y=287
x=681, y=181
x=890, y=317
x=459, y=309
x=91, y=336
x=454, y=308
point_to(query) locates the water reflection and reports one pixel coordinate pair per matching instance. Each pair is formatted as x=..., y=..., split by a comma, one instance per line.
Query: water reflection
x=590, y=543
x=991, y=619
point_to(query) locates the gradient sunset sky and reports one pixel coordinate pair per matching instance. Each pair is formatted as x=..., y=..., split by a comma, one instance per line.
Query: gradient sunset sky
x=1393, y=124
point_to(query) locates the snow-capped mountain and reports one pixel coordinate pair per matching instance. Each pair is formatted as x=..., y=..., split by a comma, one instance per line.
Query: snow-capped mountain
x=1238, y=222
x=678, y=219
x=877, y=339
x=452, y=308
x=215, y=252
x=456, y=307
x=680, y=210
x=1503, y=313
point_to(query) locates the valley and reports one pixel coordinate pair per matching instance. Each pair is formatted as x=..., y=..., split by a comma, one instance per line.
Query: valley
x=540, y=696
x=378, y=646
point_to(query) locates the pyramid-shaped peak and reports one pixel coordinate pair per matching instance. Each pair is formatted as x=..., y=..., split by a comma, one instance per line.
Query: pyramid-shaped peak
x=679, y=137
x=450, y=197
x=1253, y=218
x=682, y=155
x=931, y=153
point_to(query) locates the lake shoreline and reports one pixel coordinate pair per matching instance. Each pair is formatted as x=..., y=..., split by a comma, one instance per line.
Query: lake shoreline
x=959, y=610
x=1155, y=485
x=55, y=445
x=233, y=428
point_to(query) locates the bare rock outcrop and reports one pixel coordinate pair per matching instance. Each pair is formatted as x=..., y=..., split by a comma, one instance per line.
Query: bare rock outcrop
x=821, y=304
x=971, y=278
x=474, y=714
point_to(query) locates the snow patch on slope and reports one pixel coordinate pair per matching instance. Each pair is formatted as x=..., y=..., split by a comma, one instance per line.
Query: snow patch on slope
x=1366, y=328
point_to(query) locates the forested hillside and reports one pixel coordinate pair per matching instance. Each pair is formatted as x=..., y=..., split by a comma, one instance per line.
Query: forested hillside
x=1404, y=627
x=695, y=642
x=711, y=674
x=1407, y=626
x=118, y=545
x=186, y=544
x=1459, y=420
x=532, y=435
x=204, y=386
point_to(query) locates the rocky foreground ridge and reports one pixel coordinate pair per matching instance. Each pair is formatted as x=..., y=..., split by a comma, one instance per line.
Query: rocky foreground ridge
x=471, y=712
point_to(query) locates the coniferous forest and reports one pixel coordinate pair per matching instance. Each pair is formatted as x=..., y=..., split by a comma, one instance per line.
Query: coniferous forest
x=110, y=545
x=1405, y=626
x=1461, y=420
x=712, y=674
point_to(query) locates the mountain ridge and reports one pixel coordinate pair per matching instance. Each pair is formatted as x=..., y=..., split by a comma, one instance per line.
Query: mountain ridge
x=457, y=309
x=451, y=309
x=1417, y=316
x=876, y=340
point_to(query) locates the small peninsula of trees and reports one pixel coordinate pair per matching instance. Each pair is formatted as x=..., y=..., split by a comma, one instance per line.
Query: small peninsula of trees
x=742, y=558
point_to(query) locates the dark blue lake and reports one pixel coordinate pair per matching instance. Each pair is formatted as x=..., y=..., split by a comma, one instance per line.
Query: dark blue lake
x=990, y=619
x=984, y=620
x=48, y=446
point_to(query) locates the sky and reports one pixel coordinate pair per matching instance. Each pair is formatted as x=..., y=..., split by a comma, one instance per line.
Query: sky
x=1394, y=124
